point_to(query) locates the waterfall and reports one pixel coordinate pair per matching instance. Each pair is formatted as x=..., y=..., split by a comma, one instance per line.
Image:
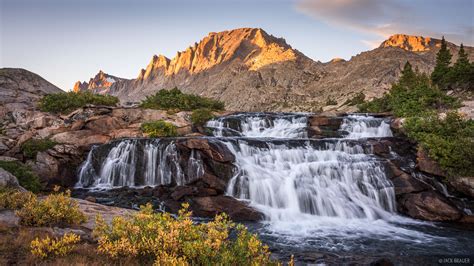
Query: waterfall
x=337, y=178
x=260, y=125
x=359, y=126
x=137, y=163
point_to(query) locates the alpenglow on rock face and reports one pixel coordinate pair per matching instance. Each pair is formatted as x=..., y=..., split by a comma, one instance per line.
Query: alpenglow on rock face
x=251, y=70
x=101, y=83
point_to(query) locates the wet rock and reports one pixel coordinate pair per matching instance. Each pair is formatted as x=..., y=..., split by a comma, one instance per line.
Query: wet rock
x=331, y=122
x=215, y=151
x=430, y=206
x=465, y=185
x=403, y=182
x=211, y=206
x=428, y=165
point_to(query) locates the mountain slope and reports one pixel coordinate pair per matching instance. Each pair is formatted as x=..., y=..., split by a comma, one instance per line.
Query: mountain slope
x=251, y=70
x=21, y=89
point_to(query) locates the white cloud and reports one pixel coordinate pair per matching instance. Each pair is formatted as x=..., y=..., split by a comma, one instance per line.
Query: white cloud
x=383, y=18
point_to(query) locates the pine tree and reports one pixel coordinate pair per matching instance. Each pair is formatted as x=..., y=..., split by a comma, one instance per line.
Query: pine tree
x=461, y=69
x=441, y=70
x=408, y=76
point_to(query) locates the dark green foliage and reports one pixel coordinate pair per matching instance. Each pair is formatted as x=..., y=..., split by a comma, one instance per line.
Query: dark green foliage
x=441, y=70
x=159, y=128
x=449, y=141
x=200, y=116
x=412, y=95
x=23, y=173
x=31, y=147
x=356, y=100
x=175, y=99
x=66, y=102
x=377, y=105
x=461, y=75
x=331, y=101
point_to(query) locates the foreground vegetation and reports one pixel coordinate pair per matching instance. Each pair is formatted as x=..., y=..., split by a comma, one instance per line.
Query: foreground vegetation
x=66, y=102
x=174, y=99
x=159, y=237
x=449, y=139
x=145, y=237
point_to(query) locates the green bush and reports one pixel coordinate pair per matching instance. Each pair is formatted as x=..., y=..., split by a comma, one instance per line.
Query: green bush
x=159, y=128
x=175, y=99
x=166, y=240
x=23, y=173
x=200, y=116
x=31, y=147
x=66, y=102
x=357, y=99
x=449, y=141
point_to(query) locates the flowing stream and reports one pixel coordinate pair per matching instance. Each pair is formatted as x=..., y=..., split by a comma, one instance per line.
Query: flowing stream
x=328, y=195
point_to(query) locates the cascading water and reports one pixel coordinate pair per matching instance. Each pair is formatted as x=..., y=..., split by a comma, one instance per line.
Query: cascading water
x=360, y=126
x=334, y=179
x=137, y=163
x=260, y=125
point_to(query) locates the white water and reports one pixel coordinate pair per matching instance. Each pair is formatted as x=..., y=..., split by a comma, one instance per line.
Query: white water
x=334, y=190
x=263, y=126
x=360, y=126
x=128, y=164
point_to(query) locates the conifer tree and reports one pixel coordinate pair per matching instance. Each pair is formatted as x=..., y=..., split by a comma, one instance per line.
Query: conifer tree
x=407, y=75
x=461, y=69
x=441, y=70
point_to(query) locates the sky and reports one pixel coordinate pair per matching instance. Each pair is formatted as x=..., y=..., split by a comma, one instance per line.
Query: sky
x=65, y=40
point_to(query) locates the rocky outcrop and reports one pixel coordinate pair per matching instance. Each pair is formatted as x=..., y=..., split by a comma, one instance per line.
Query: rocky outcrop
x=21, y=89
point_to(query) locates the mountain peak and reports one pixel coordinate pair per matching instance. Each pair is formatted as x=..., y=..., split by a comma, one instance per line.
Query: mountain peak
x=101, y=81
x=411, y=42
x=251, y=46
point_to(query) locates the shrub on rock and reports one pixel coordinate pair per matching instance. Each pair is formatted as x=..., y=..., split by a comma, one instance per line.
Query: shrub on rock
x=176, y=100
x=159, y=128
x=200, y=116
x=31, y=147
x=66, y=102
